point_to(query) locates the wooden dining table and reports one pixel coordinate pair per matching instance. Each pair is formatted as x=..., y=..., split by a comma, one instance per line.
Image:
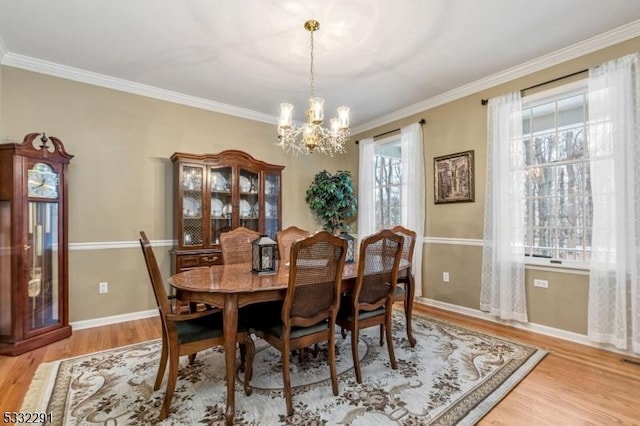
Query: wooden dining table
x=230, y=287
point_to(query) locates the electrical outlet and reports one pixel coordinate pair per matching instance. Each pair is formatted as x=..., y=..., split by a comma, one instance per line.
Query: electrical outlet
x=445, y=277
x=541, y=283
x=103, y=287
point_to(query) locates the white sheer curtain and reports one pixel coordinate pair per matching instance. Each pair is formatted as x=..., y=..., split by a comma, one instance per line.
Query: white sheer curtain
x=366, y=189
x=502, y=291
x=614, y=150
x=413, y=208
x=413, y=189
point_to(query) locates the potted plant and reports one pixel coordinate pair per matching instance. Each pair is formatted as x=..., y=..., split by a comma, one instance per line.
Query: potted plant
x=332, y=200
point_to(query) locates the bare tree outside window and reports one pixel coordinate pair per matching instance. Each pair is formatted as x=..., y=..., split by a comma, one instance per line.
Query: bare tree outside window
x=559, y=208
x=388, y=184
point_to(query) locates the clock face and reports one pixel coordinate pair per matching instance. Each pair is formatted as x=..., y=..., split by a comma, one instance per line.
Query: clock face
x=43, y=181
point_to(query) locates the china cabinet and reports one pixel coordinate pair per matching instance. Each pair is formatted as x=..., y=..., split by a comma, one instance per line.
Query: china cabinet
x=33, y=244
x=215, y=193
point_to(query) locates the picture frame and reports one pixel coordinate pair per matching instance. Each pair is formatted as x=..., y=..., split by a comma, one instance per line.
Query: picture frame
x=453, y=177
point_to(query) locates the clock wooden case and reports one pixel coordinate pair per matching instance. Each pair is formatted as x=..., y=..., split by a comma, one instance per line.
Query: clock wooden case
x=33, y=244
x=215, y=193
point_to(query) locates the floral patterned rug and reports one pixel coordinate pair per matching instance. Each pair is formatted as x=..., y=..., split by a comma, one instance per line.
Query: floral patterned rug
x=452, y=376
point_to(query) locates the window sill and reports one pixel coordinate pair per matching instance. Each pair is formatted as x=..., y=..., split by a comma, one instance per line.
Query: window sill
x=567, y=266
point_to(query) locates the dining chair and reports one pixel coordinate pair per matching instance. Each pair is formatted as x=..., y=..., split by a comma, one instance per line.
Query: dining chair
x=310, y=306
x=236, y=245
x=188, y=334
x=371, y=301
x=406, y=283
x=285, y=239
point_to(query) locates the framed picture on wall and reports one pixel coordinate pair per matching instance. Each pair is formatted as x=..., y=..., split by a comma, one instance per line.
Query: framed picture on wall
x=453, y=178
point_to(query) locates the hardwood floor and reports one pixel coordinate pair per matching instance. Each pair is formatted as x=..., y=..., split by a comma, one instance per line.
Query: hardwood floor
x=16, y=372
x=573, y=384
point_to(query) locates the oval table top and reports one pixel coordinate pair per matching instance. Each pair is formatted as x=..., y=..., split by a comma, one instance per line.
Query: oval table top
x=238, y=278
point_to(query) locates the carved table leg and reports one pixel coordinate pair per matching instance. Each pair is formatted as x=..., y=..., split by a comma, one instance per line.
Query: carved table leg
x=230, y=331
x=408, y=306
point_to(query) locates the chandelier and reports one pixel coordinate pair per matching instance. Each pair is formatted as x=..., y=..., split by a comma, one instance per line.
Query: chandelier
x=311, y=136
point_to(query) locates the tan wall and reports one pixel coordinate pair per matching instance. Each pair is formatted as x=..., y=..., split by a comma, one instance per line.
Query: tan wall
x=120, y=180
x=459, y=126
x=120, y=183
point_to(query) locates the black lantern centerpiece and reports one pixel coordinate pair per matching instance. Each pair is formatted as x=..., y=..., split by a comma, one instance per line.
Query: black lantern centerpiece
x=351, y=246
x=263, y=252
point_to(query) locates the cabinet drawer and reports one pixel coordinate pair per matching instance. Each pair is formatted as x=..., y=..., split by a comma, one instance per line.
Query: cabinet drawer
x=195, y=261
x=210, y=259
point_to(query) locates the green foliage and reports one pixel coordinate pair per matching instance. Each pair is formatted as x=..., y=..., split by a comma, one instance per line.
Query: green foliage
x=331, y=199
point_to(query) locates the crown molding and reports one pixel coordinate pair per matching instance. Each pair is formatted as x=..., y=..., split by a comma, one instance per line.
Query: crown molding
x=593, y=44
x=576, y=50
x=102, y=80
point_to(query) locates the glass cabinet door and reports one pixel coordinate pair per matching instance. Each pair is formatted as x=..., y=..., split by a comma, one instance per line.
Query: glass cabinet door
x=192, y=184
x=220, y=188
x=248, y=204
x=42, y=258
x=271, y=205
x=5, y=269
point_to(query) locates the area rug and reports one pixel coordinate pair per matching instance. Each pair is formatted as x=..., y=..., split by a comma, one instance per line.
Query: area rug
x=453, y=375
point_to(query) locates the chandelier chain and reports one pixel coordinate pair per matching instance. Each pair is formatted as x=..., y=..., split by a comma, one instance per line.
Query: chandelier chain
x=311, y=67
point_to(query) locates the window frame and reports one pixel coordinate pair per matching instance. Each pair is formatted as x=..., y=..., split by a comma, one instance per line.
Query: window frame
x=529, y=101
x=393, y=139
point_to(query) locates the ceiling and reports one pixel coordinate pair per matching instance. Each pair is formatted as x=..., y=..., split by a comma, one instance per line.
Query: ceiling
x=385, y=59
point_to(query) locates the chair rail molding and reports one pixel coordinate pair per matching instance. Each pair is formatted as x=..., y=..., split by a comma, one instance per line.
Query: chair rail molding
x=454, y=241
x=107, y=245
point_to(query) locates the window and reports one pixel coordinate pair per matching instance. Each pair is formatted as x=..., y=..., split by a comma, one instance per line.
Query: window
x=559, y=209
x=391, y=188
x=388, y=183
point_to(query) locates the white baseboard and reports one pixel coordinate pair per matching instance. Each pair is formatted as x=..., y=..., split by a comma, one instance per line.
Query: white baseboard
x=536, y=328
x=97, y=322
x=475, y=313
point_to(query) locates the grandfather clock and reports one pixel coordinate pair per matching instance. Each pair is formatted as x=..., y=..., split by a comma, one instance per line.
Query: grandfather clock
x=33, y=244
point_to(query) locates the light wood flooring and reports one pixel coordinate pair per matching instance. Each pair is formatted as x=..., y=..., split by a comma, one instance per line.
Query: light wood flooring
x=572, y=385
